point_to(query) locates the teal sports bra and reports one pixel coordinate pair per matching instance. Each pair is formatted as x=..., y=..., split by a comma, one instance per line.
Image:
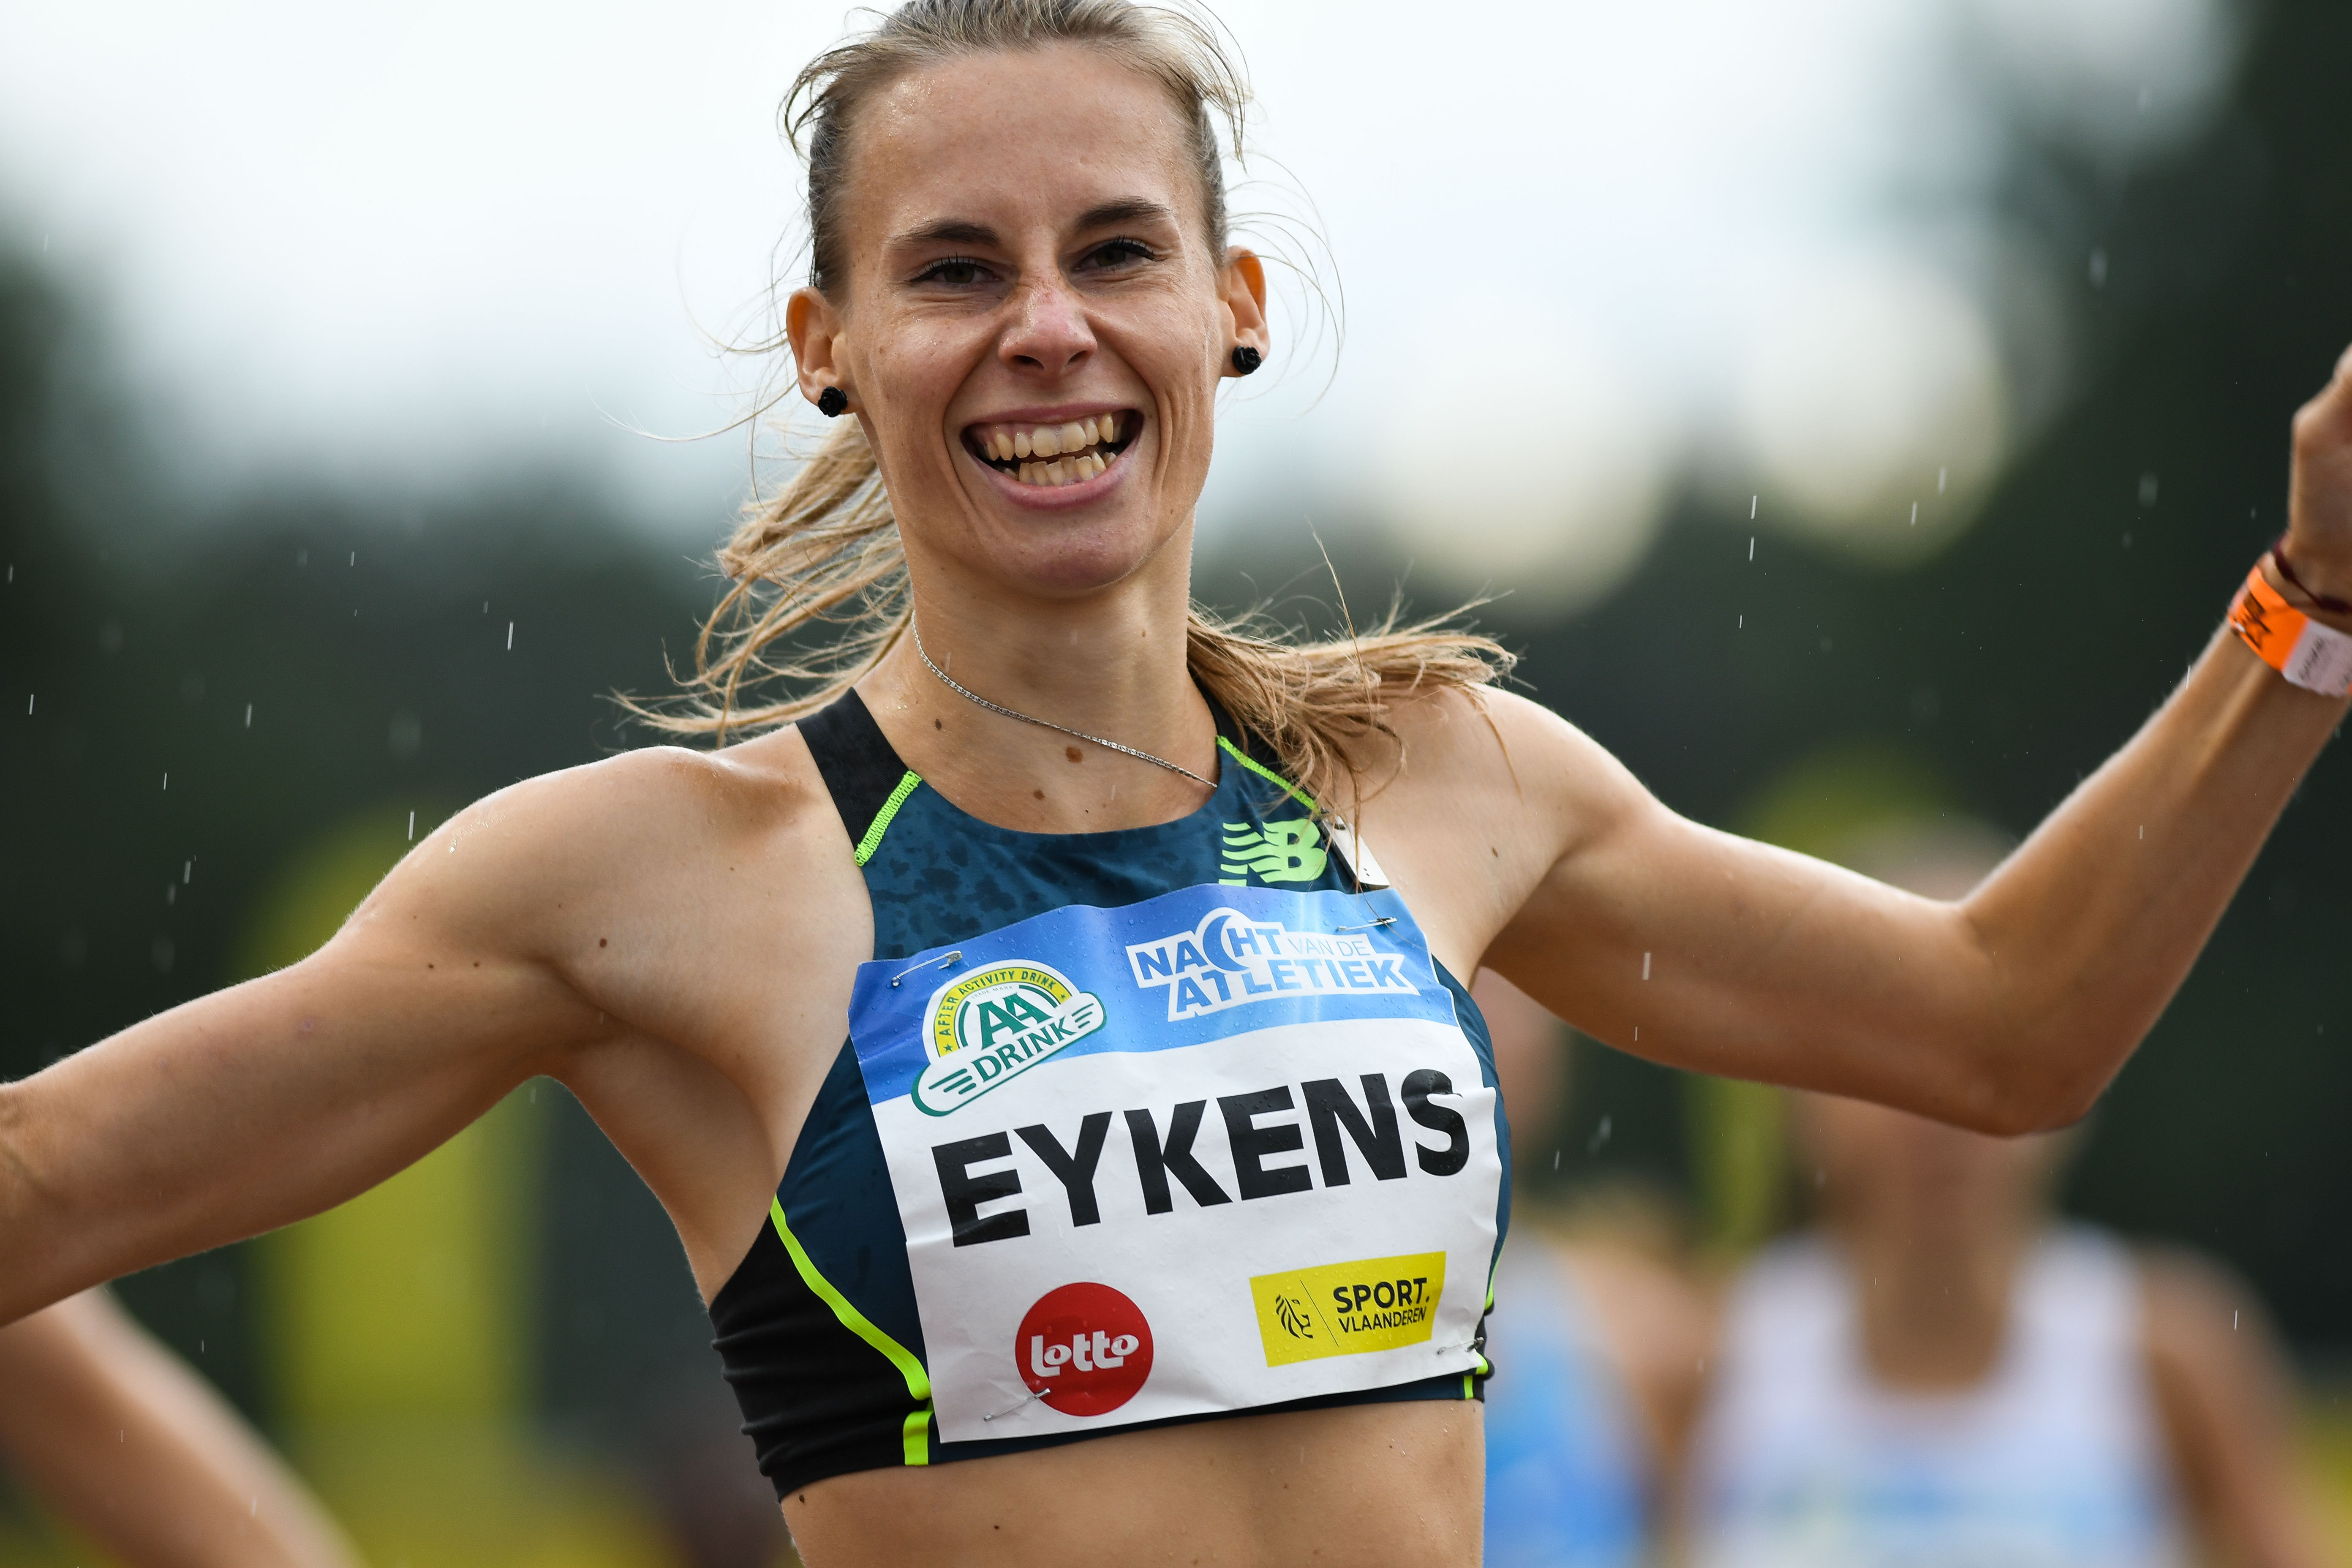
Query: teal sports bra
x=1156, y=1125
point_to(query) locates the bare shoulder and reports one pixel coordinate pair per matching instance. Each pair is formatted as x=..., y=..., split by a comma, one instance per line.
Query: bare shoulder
x=653, y=833
x=1473, y=797
x=2197, y=1316
x=1489, y=745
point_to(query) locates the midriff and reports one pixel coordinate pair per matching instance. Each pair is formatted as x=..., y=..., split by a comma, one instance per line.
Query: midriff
x=1367, y=1485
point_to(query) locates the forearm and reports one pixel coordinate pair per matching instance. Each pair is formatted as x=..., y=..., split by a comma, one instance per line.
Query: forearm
x=126, y=1443
x=2089, y=929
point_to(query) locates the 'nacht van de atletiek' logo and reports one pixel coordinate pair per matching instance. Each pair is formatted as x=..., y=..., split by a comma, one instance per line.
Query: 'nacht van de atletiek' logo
x=996, y=1023
x=1229, y=960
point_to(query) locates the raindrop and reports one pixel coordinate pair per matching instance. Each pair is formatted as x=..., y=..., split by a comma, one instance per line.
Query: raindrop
x=2098, y=268
x=1600, y=1138
x=1914, y=514
x=248, y=715
x=355, y=557
x=188, y=870
x=1752, y=508
x=28, y=705
x=167, y=781
x=2148, y=489
x=1743, y=624
x=1751, y=547
x=412, y=828
x=510, y=637
x=1645, y=967
x=1555, y=1159
x=1941, y=475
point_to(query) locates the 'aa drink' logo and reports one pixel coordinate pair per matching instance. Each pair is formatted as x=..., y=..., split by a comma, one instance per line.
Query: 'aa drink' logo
x=1084, y=1349
x=996, y=1024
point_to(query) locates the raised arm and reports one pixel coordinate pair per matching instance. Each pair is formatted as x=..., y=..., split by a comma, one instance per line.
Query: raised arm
x=140, y=1454
x=2008, y=1011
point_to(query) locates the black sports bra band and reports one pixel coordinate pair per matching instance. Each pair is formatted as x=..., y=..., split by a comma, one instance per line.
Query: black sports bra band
x=860, y=769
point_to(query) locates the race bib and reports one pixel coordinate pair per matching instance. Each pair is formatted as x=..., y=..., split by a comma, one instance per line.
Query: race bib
x=1218, y=1150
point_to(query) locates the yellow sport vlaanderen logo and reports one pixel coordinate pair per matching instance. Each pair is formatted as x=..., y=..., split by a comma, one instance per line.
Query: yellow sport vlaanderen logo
x=996, y=1023
x=1347, y=1308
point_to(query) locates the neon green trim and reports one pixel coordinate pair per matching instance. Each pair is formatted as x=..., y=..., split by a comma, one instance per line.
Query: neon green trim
x=873, y=840
x=1261, y=771
x=1467, y=1391
x=919, y=1435
x=918, y=1381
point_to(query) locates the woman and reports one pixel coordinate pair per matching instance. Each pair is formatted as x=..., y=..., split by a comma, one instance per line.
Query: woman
x=124, y=1441
x=1019, y=250
x=1936, y=1373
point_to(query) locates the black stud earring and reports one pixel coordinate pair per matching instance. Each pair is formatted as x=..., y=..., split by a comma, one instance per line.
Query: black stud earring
x=1246, y=360
x=832, y=403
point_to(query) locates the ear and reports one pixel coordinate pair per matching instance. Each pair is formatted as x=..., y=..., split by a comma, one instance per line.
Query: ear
x=813, y=328
x=1241, y=286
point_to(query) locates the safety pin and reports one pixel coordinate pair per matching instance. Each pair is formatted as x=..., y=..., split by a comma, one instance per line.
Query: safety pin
x=934, y=964
x=1009, y=1409
x=1383, y=921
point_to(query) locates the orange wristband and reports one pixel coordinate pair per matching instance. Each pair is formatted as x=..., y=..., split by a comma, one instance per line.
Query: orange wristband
x=2315, y=657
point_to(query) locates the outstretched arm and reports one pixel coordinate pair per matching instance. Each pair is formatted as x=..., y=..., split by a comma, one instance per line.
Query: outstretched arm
x=550, y=929
x=2008, y=1011
x=139, y=1453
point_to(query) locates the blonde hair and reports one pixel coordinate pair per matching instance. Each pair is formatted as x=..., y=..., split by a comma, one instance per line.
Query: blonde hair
x=819, y=592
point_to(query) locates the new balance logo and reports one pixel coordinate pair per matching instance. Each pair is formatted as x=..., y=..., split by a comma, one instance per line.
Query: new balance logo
x=1278, y=852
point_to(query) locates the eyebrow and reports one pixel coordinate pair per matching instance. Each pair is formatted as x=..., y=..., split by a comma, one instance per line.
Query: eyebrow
x=964, y=231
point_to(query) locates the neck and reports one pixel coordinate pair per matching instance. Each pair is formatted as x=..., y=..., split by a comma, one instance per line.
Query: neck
x=1932, y=1301
x=1110, y=663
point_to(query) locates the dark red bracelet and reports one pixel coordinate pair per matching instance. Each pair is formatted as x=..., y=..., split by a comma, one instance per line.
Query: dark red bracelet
x=2278, y=558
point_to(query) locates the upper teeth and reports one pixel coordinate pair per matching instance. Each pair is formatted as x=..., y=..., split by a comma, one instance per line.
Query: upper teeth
x=1006, y=445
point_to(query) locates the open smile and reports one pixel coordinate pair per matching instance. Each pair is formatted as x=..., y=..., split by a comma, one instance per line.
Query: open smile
x=1048, y=456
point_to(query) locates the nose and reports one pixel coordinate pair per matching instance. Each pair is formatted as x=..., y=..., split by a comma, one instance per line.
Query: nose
x=1049, y=331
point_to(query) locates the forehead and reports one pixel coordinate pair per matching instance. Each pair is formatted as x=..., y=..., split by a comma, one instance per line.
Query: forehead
x=1012, y=139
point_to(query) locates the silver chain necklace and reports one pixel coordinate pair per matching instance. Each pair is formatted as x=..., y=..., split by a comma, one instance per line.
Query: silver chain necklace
x=973, y=696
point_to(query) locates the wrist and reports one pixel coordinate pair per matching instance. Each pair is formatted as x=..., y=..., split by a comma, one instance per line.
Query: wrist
x=2304, y=647
x=2307, y=589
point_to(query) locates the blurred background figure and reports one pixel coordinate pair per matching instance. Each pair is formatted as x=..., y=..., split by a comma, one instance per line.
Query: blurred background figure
x=142, y=1456
x=1596, y=1341
x=1937, y=1372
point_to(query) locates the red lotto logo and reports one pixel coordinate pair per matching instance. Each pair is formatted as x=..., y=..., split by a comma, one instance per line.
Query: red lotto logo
x=1084, y=1349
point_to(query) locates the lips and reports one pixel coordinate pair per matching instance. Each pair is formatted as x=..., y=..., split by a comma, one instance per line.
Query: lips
x=1047, y=455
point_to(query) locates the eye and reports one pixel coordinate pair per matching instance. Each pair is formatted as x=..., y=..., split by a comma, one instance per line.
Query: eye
x=954, y=272
x=1113, y=255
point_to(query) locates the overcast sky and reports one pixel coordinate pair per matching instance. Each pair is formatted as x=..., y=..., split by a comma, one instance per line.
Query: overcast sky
x=1632, y=244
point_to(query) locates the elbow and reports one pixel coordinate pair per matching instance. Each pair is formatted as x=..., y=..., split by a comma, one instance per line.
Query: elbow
x=2009, y=1102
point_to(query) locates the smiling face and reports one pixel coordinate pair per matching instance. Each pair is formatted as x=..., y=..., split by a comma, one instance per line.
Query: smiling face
x=1031, y=321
